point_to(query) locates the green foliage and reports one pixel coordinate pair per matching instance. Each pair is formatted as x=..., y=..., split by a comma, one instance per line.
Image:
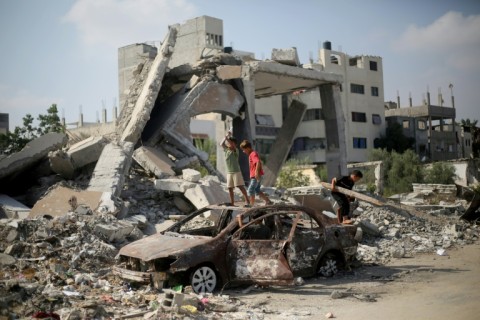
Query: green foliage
x=50, y=122
x=321, y=172
x=209, y=146
x=439, y=172
x=400, y=170
x=15, y=141
x=395, y=140
x=291, y=175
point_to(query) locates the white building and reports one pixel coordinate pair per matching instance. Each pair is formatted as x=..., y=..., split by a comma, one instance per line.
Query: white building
x=362, y=101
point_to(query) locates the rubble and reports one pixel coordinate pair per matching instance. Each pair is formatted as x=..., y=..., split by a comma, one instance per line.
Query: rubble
x=63, y=263
x=57, y=262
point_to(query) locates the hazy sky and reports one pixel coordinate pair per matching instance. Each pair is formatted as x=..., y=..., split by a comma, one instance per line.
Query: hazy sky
x=65, y=51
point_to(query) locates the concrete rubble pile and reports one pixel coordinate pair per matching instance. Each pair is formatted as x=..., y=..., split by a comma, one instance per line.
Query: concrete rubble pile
x=68, y=205
x=63, y=264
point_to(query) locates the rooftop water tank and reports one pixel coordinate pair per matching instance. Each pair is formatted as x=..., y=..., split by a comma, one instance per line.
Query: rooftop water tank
x=327, y=45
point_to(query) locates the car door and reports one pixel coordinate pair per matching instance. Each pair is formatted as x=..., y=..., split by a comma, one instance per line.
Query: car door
x=261, y=261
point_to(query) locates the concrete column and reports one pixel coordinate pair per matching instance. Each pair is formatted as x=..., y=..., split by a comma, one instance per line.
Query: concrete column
x=104, y=115
x=114, y=115
x=248, y=125
x=379, y=178
x=336, y=152
x=283, y=142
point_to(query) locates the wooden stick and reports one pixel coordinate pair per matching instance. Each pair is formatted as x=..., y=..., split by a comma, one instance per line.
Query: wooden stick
x=355, y=194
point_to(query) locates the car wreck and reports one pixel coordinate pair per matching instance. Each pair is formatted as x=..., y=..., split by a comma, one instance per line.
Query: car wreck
x=209, y=249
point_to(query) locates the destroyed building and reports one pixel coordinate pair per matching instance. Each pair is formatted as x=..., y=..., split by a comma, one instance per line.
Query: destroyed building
x=69, y=203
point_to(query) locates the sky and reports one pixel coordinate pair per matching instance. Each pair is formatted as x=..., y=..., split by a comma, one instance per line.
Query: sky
x=65, y=51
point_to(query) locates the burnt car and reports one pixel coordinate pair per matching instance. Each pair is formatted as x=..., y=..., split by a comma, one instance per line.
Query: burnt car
x=209, y=249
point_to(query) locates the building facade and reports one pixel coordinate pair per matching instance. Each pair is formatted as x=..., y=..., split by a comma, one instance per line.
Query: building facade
x=432, y=127
x=362, y=98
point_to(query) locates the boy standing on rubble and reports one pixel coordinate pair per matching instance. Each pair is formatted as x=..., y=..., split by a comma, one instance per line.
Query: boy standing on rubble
x=234, y=175
x=343, y=200
x=256, y=173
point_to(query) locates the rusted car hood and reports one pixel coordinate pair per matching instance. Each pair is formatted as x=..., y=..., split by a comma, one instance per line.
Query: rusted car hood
x=161, y=246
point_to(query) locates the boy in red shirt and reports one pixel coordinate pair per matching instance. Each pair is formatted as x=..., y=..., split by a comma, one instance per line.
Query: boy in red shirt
x=256, y=173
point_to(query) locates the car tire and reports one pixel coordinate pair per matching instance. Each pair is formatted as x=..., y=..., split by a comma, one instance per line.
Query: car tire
x=328, y=265
x=203, y=279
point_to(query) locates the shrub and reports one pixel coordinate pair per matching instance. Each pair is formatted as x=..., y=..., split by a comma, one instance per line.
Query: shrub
x=439, y=172
x=291, y=175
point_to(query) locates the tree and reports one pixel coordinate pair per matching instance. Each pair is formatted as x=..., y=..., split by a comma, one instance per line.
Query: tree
x=50, y=122
x=400, y=170
x=15, y=141
x=291, y=176
x=395, y=140
x=439, y=172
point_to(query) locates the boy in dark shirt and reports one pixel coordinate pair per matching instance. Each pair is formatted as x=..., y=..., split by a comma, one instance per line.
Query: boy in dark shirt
x=343, y=201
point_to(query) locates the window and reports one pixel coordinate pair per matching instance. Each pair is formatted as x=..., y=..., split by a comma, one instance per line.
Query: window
x=359, y=143
x=406, y=124
x=359, y=117
x=373, y=65
x=374, y=91
x=421, y=125
x=376, y=119
x=357, y=88
x=214, y=39
x=313, y=114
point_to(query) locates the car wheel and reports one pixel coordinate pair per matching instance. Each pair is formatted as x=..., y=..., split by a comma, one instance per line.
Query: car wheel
x=328, y=265
x=203, y=280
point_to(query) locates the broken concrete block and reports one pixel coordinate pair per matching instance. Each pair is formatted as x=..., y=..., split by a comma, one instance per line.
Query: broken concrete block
x=33, y=152
x=369, y=228
x=111, y=168
x=138, y=220
x=78, y=155
x=173, y=185
x=229, y=72
x=182, y=204
x=202, y=196
x=6, y=260
x=154, y=161
x=61, y=200
x=286, y=56
x=12, y=208
x=186, y=162
x=191, y=175
x=114, y=231
x=137, y=118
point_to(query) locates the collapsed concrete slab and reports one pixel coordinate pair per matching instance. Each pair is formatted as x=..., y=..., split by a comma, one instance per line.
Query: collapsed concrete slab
x=11, y=208
x=174, y=114
x=132, y=122
x=78, y=155
x=33, y=152
x=61, y=200
x=201, y=196
x=283, y=143
x=111, y=168
x=173, y=185
x=155, y=161
x=286, y=56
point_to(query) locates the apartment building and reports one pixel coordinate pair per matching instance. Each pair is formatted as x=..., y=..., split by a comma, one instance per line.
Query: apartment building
x=433, y=128
x=362, y=99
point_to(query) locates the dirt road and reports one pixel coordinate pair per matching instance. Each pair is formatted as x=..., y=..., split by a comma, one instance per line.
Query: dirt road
x=427, y=286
